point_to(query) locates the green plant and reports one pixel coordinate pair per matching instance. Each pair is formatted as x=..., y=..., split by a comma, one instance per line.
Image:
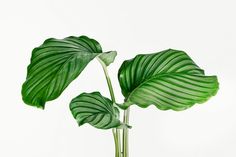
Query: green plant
x=168, y=79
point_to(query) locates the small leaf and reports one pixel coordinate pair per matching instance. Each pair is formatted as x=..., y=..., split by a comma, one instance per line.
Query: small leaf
x=168, y=79
x=96, y=110
x=108, y=57
x=54, y=65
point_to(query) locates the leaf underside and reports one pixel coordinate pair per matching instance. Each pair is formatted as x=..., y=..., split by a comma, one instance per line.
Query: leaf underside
x=54, y=65
x=168, y=79
x=96, y=110
x=108, y=57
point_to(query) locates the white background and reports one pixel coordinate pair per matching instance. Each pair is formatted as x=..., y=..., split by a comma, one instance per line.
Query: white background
x=205, y=29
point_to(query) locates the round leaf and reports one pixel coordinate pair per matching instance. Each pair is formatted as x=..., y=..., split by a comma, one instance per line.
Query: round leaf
x=54, y=65
x=96, y=110
x=168, y=79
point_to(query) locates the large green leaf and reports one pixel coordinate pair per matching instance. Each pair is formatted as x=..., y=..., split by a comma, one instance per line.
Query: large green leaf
x=168, y=79
x=54, y=65
x=96, y=110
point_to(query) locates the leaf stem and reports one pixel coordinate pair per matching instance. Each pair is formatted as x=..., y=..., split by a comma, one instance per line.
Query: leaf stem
x=116, y=143
x=115, y=131
x=104, y=67
x=126, y=134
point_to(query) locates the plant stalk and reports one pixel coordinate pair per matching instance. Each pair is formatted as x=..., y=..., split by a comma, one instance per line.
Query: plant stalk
x=115, y=131
x=117, y=153
x=126, y=134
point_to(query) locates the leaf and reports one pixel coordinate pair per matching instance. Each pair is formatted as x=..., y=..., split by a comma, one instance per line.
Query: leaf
x=96, y=110
x=108, y=57
x=54, y=65
x=168, y=79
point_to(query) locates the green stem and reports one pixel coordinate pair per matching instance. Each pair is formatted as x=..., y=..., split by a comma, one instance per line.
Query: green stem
x=126, y=134
x=116, y=132
x=116, y=143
